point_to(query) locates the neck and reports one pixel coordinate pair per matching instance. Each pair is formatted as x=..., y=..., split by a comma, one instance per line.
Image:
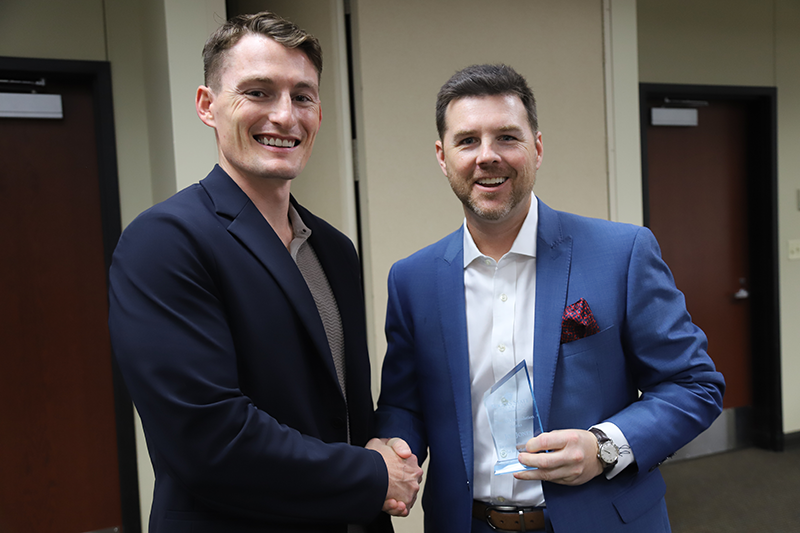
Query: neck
x=495, y=238
x=495, y=244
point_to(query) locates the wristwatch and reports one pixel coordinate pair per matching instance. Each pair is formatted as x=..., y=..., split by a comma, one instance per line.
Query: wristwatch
x=607, y=451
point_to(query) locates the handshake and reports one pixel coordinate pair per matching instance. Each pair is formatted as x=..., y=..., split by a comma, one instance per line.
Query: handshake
x=405, y=475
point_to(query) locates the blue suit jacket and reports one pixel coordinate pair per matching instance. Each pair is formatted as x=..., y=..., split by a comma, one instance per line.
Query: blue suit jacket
x=647, y=343
x=226, y=358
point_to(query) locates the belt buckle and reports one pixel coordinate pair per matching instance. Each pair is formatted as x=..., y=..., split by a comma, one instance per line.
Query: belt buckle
x=505, y=509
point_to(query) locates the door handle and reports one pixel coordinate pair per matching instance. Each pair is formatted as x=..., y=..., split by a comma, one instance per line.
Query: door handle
x=742, y=293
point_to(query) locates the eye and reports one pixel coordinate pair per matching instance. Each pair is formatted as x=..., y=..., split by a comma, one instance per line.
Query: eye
x=255, y=93
x=467, y=141
x=305, y=99
x=507, y=138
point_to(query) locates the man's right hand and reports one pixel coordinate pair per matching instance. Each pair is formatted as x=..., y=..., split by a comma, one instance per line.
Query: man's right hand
x=405, y=475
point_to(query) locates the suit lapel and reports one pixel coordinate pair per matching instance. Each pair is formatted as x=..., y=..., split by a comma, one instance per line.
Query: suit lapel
x=248, y=225
x=553, y=263
x=453, y=319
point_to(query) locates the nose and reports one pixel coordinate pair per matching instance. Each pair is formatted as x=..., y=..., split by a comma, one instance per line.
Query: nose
x=487, y=154
x=282, y=112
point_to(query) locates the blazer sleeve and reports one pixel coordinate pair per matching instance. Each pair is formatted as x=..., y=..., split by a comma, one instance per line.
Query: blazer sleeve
x=681, y=391
x=399, y=411
x=172, y=338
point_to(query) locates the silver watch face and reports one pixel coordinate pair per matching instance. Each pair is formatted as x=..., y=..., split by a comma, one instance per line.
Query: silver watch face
x=608, y=453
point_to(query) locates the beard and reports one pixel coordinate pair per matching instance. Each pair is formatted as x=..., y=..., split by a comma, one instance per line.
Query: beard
x=481, y=203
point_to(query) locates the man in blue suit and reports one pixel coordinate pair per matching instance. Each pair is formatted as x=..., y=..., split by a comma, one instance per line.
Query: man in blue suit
x=238, y=322
x=619, y=372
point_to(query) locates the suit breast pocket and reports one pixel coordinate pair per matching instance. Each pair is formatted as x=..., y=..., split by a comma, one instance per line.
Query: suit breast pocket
x=589, y=370
x=599, y=342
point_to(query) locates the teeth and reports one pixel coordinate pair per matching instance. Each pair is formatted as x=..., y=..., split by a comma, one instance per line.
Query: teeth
x=491, y=181
x=272, y=141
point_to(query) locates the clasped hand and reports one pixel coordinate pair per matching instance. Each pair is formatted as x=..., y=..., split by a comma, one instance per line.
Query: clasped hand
x=571, y=458
x=405, y=475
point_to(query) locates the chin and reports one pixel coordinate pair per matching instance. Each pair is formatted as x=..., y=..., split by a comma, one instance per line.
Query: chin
x=281, y=173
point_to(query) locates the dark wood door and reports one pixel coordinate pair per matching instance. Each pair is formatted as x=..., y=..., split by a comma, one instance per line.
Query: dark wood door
x=58, y=449
x=697, y=184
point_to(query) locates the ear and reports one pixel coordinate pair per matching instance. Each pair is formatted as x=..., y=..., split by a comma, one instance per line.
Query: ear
x=539, y=149
x=202, y=103
x=440, y=157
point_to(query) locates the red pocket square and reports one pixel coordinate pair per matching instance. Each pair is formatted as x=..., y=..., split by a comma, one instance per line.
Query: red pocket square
x=578, y=322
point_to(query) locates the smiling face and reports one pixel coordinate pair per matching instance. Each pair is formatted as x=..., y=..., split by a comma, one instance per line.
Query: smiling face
x=266, y=111
x=490, y=155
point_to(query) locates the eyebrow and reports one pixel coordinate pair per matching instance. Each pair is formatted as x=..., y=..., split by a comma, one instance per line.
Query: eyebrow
x=501, y=129
x=270, y=81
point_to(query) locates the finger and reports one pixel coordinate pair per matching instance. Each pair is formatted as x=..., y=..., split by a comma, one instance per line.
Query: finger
x=550, y=441
x=374, y=444
x=411, y=503
x=528, y=475
x=395, y=508
x=400, y=447
x=540, y=443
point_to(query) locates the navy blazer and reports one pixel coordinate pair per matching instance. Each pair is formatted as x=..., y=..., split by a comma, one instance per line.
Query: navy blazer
x=647, y=343
x=226, y=359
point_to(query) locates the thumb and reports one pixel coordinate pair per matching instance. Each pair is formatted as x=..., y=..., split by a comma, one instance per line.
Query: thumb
x=400, y=447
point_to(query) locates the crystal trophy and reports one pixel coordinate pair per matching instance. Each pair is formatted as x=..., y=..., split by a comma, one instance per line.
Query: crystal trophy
x=513, y=418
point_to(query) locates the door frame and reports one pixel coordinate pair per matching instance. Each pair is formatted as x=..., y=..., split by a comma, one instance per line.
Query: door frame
x=762, y=193
x=98, y=73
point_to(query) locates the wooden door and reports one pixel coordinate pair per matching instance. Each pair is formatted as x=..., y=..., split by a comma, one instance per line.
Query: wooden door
x=697, y=183
x=58, y=450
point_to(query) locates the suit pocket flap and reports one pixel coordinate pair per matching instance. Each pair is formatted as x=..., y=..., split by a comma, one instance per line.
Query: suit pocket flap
x=598, y=341
x=641, y=497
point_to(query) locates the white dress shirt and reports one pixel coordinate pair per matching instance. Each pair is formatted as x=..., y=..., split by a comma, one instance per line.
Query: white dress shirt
x=500, y=301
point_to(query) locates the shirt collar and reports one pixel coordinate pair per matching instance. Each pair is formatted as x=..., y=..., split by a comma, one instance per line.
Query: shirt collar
x=524, y=244
x=299, y=229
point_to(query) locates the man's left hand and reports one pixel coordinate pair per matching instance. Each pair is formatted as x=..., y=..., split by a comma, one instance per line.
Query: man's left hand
x=571, y=458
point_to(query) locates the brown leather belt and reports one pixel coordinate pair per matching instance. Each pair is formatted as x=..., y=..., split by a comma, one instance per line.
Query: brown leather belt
x=508, y=517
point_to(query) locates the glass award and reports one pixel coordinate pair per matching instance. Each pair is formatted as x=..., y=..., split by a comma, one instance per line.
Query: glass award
x=513, y=418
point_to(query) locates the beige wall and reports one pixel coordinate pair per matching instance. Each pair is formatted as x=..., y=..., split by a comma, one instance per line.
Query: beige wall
x=622, y=111
x=53, y=30
x=708, y=42
x=787, y=77
x=738, y=42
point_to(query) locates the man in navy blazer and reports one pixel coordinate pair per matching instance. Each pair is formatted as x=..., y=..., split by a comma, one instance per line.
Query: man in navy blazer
x=620, y=374
x=238, y=321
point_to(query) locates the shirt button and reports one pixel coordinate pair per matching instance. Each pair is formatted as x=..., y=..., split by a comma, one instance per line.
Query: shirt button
x=503, y=454
x=488, y=262
x=501, y=499
x=503, y=298
x=502, y=347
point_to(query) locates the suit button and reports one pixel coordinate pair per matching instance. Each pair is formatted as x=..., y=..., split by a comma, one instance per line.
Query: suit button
x=338, y=423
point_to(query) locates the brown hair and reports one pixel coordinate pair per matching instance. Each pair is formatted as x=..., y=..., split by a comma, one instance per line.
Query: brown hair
x=485, y=80
x=264, y=23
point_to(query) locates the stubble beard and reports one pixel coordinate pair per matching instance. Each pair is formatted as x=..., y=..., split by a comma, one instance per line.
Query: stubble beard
x=472, y=202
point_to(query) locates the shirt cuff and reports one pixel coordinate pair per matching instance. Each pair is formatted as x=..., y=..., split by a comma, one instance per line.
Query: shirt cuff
x=626, y=457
